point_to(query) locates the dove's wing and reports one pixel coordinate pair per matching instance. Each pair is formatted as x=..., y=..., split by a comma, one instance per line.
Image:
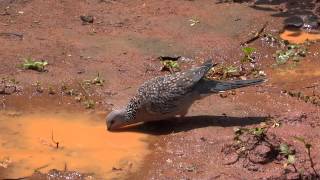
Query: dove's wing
x=163, y=94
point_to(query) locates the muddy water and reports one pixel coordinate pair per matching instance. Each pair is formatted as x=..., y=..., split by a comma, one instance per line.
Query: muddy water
x=29, y=141
x=304, y=71
x=298, y=37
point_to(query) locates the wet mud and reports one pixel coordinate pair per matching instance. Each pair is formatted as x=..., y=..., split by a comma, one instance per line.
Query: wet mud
x=51, y=125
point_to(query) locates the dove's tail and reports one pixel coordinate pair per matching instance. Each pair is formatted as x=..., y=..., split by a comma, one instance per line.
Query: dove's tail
x=212, y=86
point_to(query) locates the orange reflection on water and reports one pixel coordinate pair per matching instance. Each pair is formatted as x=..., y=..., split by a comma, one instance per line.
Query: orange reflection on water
x=298, y=37
x=84, y=145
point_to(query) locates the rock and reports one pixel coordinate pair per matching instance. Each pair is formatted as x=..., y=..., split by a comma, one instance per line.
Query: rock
x=293, y=176
x=87, y=19
x=10, y=90
x=294, y=21
x=311, y=22
x=223, y=95
x=230, y=158
x=2, y=88
x=260, y=154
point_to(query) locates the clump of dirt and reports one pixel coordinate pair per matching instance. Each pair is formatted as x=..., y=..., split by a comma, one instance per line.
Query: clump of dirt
x=8, y=86
x=254, y=148
x=59, y=175
x=312, y=98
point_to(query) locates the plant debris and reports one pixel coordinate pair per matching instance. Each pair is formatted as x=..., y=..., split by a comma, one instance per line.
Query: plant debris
x=308, y=146
x=5, y=162
x=98, y=81
x=170, y=65
x=193, y=21
x=288, y=152
x=89, y=104
x=8, y=86
x=34, y=65
x=293, y=52
x=312, y=98
x=12, y=35
x=256, y=36
x=248, y=57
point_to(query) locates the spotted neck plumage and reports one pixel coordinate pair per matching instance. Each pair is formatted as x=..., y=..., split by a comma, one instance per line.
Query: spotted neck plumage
x=132, y=108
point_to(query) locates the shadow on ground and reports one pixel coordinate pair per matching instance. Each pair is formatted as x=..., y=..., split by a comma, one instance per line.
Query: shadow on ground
x=293, y=7
x=284, y=8
x=189, y=123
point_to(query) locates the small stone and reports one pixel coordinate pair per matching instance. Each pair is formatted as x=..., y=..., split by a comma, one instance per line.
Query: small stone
x=2, y=88
x=243, y=78
x=293, y=176
x=260, y=154
x=86, y=19
x=9, y=89
x=223, y=95
x=116, y=169
x=203, y=139
x=169, y=161
x=311, y=22
x=230, y=158
x=294, y=21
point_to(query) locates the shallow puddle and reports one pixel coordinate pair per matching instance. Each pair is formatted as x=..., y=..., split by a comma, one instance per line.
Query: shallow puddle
x=298, y=37
x=29, y=143
x=305, y=72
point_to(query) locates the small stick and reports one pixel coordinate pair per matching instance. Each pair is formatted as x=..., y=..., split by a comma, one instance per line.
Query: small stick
x=257, y=35
x=85, y=93
x=41, y=167
x=65, y=167
x=12, y=34
x=55, y=142
x=311, y=162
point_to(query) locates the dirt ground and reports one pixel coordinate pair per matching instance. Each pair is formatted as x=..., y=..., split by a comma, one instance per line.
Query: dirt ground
x=122, y=45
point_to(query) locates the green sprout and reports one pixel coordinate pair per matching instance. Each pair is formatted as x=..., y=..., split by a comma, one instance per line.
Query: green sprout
x=294, y=52
x=248, y=51
x=289, y=154
x=170, y=65
x=98, y=81
x=258, y=131
x=34, y=65
x=308, y=148
x=89, y=104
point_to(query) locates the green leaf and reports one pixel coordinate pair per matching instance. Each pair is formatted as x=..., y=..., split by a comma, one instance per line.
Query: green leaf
x=291, y=159
x=258, y=131
x=34, y=65
x=170, y=64
x=284, y=149
x=248, y=50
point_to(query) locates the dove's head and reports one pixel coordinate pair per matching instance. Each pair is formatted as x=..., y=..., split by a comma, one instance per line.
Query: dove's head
x=116, y=119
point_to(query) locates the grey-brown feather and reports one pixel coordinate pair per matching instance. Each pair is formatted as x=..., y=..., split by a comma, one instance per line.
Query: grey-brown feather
x=167, y=95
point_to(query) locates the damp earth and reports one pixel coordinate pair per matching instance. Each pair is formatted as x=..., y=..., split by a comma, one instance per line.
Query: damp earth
x=66, y=64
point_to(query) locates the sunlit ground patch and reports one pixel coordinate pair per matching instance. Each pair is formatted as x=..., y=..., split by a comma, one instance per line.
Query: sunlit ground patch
x=77, y=142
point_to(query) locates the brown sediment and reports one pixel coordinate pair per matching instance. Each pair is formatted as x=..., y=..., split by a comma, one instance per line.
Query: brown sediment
x=307, y=72
x=299, y=37
x=84, y=145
